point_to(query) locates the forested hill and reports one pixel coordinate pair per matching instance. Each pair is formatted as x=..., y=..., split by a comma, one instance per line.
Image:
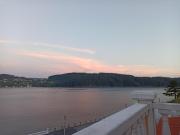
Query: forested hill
x=86, y=80
x=107, y=80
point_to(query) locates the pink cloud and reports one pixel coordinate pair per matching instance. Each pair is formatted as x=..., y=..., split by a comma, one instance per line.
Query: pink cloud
x=68, y=63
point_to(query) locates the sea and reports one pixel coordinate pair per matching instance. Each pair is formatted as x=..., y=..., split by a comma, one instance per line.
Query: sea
x=28, y=110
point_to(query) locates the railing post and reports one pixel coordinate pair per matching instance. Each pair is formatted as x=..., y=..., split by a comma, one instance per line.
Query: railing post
x=47, y=131
x=142, y=127
x=165, y=124
x=147, y=97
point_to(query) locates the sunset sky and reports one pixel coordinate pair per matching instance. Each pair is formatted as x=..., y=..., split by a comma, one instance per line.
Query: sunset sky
x=39, y=38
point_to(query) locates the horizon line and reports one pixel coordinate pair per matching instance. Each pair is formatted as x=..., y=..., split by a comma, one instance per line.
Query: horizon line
x=16, y=75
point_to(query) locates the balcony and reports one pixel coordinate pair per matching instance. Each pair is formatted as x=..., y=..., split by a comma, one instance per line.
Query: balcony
x=146, y=117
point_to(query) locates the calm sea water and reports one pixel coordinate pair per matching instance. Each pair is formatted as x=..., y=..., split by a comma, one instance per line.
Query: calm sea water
x=27, y=110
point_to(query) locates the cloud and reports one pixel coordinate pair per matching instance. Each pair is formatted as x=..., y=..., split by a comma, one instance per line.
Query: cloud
x=49, y=62
x=68, y=63
x=9, y=42
x=82, y=50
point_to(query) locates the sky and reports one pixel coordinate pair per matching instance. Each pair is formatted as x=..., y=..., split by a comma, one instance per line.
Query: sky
x=39, y=38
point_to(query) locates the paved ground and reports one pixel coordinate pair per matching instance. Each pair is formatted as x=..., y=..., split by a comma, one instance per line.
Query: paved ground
x=70, y=130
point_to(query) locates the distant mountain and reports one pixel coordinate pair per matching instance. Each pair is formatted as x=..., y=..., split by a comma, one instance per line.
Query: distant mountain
x=107, y=80
x=86, y=80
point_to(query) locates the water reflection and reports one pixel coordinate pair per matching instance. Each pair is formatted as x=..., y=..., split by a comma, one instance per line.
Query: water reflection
x=25, y=110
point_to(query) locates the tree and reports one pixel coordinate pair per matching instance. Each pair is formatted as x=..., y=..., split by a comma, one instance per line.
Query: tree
x=172, y=90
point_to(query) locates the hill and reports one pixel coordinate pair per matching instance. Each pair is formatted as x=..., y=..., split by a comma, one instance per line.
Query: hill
x=86, y=80
x=107, y=80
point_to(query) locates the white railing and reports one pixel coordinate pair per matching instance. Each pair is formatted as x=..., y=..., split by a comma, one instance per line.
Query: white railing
x=166, y=110
x=138, y=119
x=129, y=120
